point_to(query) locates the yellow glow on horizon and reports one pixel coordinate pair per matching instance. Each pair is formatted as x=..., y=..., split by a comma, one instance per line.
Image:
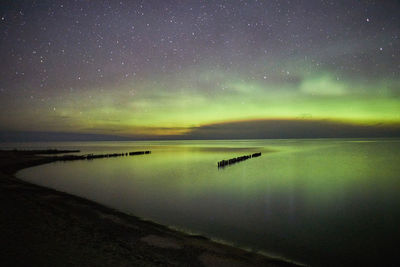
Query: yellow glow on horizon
x=173, y=108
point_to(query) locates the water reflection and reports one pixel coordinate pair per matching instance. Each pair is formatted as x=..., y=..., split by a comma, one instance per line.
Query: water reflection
x=309, y=200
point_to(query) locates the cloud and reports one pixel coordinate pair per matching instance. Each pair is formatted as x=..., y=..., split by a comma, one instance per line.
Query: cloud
x=248, y=129
x=290, y=128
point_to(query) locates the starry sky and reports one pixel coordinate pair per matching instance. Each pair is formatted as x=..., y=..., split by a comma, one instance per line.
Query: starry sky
x=201, y=69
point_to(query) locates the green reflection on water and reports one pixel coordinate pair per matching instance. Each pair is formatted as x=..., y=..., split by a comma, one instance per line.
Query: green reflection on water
x=299, y=196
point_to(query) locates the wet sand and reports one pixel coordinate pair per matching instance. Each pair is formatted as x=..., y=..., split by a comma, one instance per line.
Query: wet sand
x=45, y=227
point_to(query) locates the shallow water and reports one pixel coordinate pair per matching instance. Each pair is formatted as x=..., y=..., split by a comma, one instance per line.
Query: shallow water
x=320, y=202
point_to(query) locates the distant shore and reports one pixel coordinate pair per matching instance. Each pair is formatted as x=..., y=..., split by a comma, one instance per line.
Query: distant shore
x=45, y=227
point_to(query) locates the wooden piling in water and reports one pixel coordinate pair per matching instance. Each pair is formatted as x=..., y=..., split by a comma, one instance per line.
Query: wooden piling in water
x=224, y=163
x=98, y=156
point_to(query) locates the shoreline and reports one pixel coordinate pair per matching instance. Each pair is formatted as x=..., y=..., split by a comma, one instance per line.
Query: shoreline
x=46, y=227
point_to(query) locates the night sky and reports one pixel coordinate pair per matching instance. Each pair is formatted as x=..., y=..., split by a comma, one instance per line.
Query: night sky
x=160, y=69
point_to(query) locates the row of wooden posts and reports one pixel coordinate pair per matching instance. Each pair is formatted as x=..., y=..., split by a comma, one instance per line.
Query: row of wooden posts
x=221, y=163
x=99, y=156
x=224, y=163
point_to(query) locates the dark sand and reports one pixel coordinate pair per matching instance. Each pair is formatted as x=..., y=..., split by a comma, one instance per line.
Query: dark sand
x=44, y=227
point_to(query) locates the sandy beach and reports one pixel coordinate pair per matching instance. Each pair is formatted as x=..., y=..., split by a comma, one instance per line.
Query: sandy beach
x=44, y=227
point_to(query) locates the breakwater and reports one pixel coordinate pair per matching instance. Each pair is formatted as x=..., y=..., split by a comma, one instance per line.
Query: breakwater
x=224, y=163
x=99, y=156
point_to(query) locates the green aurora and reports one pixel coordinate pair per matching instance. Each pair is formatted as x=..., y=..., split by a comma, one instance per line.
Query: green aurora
x=174, y=106
x=157, y=79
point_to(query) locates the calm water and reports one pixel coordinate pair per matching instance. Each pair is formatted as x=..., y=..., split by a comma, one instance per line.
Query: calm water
x=318, y=202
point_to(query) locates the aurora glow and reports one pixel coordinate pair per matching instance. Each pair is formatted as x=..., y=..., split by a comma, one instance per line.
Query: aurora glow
x=164, y=68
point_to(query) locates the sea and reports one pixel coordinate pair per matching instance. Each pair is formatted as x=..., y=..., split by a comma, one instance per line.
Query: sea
x=319, y=202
